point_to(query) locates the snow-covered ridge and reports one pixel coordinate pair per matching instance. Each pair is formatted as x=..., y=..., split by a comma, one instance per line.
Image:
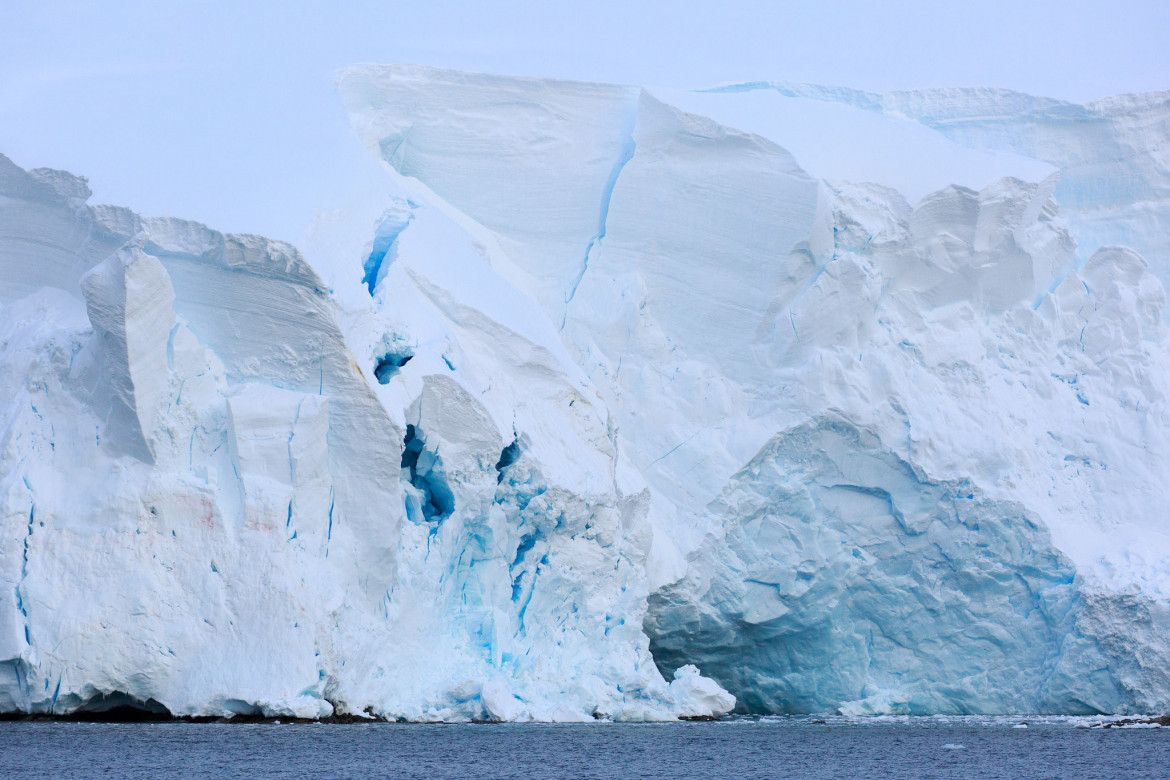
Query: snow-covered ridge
x=845, y=411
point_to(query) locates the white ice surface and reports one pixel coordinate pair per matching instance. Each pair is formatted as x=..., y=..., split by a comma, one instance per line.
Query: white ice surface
x=844, y=142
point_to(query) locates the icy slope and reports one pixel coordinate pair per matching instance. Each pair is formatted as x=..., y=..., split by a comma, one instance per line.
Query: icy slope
x=209, y=505
x=904, y=456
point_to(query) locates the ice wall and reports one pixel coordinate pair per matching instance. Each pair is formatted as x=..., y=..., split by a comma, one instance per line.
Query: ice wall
x=905, y=444
x=216, y=499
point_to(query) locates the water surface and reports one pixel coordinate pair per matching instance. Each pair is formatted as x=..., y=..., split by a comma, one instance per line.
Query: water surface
x=743, y=748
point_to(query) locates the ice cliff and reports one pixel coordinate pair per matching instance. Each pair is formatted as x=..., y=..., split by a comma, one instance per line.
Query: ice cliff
x=214, y=504
x=812, y=399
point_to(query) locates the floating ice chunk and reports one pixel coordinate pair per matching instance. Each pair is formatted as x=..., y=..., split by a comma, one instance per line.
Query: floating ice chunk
x=697, y=696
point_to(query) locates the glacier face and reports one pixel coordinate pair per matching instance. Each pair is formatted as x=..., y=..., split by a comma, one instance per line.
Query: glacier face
x=847, y=402
x=211, y=507
x=904, y=456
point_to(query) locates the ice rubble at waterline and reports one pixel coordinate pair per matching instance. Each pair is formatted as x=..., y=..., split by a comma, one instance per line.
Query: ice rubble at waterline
x=829, y=408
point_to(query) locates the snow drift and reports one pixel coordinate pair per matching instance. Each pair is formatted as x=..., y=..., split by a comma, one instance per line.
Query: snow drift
x=847, y=402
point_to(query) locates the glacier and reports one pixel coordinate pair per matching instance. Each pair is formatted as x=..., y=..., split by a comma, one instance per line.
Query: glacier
x=600, y=401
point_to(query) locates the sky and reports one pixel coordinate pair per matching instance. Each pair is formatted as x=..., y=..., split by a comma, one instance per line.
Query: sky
x=226, y=112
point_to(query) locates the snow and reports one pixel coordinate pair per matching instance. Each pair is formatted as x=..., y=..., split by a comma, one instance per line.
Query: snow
x=808, y=399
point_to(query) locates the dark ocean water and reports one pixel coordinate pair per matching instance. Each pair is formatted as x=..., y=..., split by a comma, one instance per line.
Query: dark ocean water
x=771, y=747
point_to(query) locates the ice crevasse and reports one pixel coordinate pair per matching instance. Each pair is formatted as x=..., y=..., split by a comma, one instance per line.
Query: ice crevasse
x=605, y=402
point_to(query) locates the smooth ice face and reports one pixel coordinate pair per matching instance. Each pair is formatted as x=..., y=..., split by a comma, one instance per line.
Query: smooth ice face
x=131, y=304
x=987, y=380
x=833, y=135
x=455, y=142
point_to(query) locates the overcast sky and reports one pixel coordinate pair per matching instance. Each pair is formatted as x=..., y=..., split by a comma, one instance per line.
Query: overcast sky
x=225, y=112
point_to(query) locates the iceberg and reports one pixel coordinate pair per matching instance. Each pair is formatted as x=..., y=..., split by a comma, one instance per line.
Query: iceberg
x=610, y=402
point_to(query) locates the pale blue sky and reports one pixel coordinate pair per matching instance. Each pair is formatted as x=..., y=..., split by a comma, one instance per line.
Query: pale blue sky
x=225, y=111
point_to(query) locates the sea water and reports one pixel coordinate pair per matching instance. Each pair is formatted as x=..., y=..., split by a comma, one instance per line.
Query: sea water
x=738, y=748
